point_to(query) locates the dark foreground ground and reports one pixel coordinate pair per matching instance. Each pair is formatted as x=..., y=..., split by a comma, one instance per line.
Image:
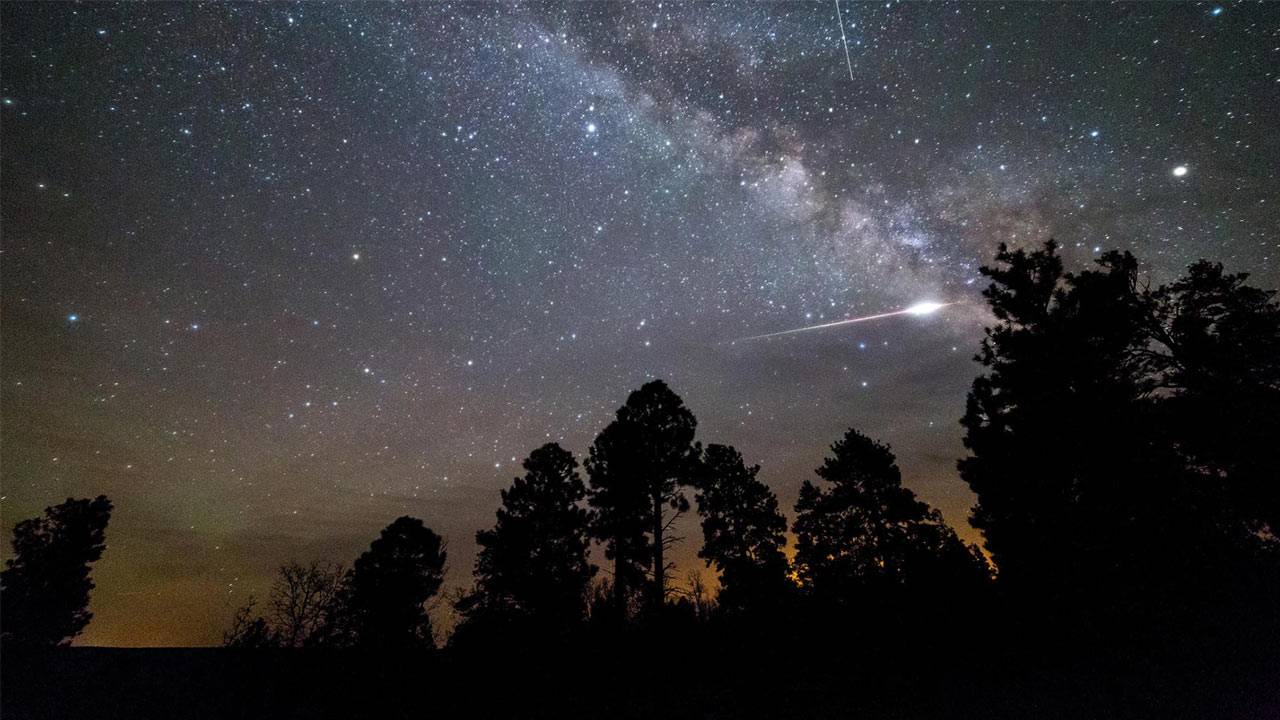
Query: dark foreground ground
x=690, y=682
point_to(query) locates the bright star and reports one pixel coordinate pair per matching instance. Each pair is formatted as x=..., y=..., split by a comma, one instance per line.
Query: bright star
x=1180, y=171
x=73, y=317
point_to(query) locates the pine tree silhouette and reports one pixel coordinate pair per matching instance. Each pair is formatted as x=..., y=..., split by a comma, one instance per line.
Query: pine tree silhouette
x=1216, y=359
x=383, y=601
x=743, y=532
x=864, y=539
x=637, y=466
x=44, y=589
x=533, y=567
x=1117, y=440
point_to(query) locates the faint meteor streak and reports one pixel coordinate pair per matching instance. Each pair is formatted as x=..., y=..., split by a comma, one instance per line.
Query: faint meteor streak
x=840, y=19
x=920, y=308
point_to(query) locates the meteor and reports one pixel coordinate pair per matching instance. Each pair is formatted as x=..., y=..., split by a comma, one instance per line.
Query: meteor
x=844, y=41
x=920, y=308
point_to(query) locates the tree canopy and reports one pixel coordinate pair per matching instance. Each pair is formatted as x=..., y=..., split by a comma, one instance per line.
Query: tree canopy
x=44, y=589
x=743, y=532
x=637, y=467
x=862, y=537
x=1118, y=440
x=302, y=600
x=533, y=562
x=383, y=600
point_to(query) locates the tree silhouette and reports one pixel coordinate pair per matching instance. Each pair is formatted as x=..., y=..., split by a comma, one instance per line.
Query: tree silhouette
x=637, y=466
x=301, y=600
x=864, y=537
x=533, y=564
x=619, y=509
x=383, y=599
x=702, y=601
x=249, y=630
x=602, y=606
x=44, y=589
x=743, y=532
x=1111, y=462
x=1051, y=426
x=1217, y=358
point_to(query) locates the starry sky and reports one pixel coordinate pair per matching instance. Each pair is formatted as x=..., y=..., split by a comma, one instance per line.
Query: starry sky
x=274, y=275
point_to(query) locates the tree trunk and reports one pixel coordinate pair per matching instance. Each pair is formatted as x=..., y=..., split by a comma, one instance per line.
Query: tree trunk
x=659, y=589
x=620, y=581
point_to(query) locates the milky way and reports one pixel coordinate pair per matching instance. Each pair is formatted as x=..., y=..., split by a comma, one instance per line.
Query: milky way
x=276, y=274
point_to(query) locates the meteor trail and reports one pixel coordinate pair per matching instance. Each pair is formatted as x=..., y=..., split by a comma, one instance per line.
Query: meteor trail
x=920, y=308
x=840, y=19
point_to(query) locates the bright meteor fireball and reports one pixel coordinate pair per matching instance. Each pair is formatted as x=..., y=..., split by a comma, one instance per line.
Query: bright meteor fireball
x=925, y=308
x=920, y=308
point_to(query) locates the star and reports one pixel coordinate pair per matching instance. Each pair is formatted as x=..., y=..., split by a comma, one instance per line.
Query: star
x=747, y=185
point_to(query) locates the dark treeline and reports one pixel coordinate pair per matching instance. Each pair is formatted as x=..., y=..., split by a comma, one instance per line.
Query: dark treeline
x=1123, y=444
x=865, y=543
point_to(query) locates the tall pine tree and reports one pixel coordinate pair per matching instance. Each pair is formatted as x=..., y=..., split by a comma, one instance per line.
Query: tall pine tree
x=743, y=532
x=637, y=466
x=533, y=566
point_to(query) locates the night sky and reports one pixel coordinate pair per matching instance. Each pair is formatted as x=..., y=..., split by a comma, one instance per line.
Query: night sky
x=274, y=275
